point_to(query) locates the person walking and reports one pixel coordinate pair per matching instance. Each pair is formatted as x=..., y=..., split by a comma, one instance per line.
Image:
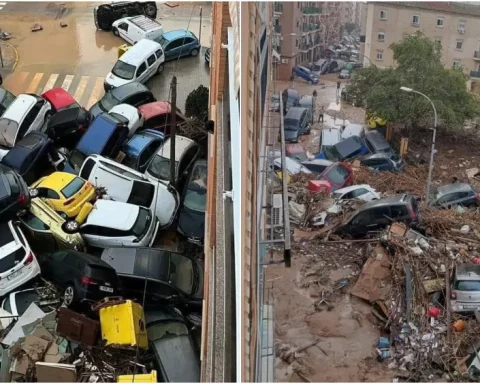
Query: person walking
x=320, y=116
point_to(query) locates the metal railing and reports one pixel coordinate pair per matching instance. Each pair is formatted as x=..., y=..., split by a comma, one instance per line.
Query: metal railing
x=277, y=7
x=311, y=10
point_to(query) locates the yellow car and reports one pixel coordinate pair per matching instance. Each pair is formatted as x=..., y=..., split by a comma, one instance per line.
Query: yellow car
x=373, y=121
x=64, y=192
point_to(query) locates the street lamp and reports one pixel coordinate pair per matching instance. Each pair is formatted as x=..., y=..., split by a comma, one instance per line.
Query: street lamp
x=430, y=166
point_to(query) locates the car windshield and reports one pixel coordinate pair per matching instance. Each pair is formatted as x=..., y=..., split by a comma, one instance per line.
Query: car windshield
x=181, y=273
x=196, y=196
x=332, y=154
x=291, y=100
x=337, y=174
x=108, y=101
x=468, y=285
x=73, y=187
x=24, y=299
x=8, y=132
x=160, y=167
x=9, y=98
x=76, y=160
x=141, y=225
x=163, y=41
x=123, y=70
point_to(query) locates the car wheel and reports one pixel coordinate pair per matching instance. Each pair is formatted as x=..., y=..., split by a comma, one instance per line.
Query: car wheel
x=33, y=192
x=115, y=32
x=70, y=226
x=69, y=295
x=160, y=69
x=150, y=11
x=194, y=52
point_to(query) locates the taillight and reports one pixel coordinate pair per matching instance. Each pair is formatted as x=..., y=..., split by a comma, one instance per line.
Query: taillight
x=81, y=128
x=69, y=201
x=88, y=281
x=412, y=212
x=88, y=185
x=453, y=295
x=29, y=259
x=22, y=199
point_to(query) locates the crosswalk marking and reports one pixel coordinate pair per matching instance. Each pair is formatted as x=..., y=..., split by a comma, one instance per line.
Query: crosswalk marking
x=97, y=90
x=51, y=82
x=67, y=82
x=81, y=88
x=32, y=88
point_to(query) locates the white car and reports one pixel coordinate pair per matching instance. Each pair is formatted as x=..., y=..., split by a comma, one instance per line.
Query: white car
x=129, y=186
x=135, y=28
x=18, y=264
x=134, y=117
x=291, y=166
x=26, y=113
x=117, y=224
x=361, y=191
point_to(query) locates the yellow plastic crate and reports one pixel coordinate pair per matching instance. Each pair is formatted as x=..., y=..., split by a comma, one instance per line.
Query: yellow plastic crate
x=145, y=378
x=122, y=49
x=123, y=325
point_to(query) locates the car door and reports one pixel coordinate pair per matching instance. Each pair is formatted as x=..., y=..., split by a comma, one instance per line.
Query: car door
x=38, y=232
x=152, y=64
x=72, y=265
x=173, y=49
x=186, y=45
x=125, y=31
x=358, y=225
x=380, y=217
x=53, y=266
x=142, y=73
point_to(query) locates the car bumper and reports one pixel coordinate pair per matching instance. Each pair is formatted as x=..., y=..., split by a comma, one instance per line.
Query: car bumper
x=461, y=307
x=30, y=272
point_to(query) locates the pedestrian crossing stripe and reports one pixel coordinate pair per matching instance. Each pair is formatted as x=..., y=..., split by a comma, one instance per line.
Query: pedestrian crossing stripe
x=50, y=83
x=81, y=88
x=32, y=88
x=67, y=82
x=96, y=92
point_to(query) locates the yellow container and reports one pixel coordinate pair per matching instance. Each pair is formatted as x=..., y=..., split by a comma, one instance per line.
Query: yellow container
x=84, y=212
x=122, y=49
x=145, y=378
x=123, y=325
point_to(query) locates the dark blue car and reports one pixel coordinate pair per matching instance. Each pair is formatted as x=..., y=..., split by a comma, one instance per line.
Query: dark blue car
x=179, y=43
x=305, y=74
x=141, y=147
x=105, y=137
x=344, y=150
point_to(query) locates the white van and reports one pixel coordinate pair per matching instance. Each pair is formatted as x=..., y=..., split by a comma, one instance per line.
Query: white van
x=330, y=136
x=135, y=28
x=138, y=64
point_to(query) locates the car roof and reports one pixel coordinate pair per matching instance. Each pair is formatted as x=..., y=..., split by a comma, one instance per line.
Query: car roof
x=304, y=68
x=291, y=91
x=89, y=259
x=318, y=162
x=172, y=35
x=137, y=144
x=353, y=188
x=55, y=179
x=102, y=160
x=129, y=89
x=125, y=110
x=64, y=116
x=113, y=214
x=182, y=143
x=295, y=113
x=143, y=48
x=143, y=22
x=156, y=108
x=345, y=147
x=99, y=132
x=59, y=98
x=19, y=107
x=454, y=187
x=385, y=201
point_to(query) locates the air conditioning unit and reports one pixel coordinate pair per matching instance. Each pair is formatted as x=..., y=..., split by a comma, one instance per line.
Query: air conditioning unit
x=284, y=61
x=277, y=211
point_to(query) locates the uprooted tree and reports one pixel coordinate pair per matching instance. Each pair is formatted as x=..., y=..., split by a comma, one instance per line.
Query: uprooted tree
x=419, y=67
x=196, y=105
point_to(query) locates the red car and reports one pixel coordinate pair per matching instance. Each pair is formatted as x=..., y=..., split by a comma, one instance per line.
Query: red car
x=339, y=175
x=60, y=100
x=157, y=116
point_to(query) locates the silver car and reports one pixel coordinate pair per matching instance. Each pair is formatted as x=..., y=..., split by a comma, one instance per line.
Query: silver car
x=465, y=290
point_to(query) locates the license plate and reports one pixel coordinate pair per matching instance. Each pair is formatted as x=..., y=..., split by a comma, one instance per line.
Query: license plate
x=13, y=275
x=106, y=289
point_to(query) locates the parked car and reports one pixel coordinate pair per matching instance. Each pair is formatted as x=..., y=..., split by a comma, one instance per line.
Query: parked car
x=141, y=148
x=43, y=227
x=18, y=302
x=320, y=67
x=64, y=192
x=18, y=264
x=186, y=152
x=140, y=63
x=207, y=56
x=452, y=195
x=132, y=29
x=344, y=150
x=384, y=162
x=330, y=136
x=275, y=103
x=339, y=175
x=344, y=74
x=308, y=102
x=60, y=100
x=25, y=114
x=305, y=74
x=81, y=277
x=173, y=347
x=132, y=187
x=359, y=191
x=106, y=14
x=67, y=127
x=170, y=275
x=465, y=290
x=133, y=116
x=134, y=94
x=292, y=166
x=290, y=98
x=317, y=165
x=157, y=116
x=179, y=43
x=297, y=122
x=353, y=130
x=296, y=151
x=30, y=157
x=376, y=143
x=6, y=98
x=14, y=194
x=378, y=214
x=104, y=137
x=191, y=219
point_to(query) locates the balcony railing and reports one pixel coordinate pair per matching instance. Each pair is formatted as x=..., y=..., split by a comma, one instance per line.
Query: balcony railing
x=311, y=10
x=476, y=55
x=310, y=27
x=475, y=74
x=278, y=29
x=278, y=7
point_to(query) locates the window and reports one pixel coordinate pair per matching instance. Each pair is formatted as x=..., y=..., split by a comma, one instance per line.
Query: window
x=381, y=36
x=159, y=53
x=456, y=63
x=124, y=26
x=35, y=223
x=87, y=169
x=141, y=69
x=174, y=44
x=151, y=60
x=73, y=187
x=48, y=193
x=148, y=153
x=379, y=214
x=416, y=20
x=399, y=211
x=119, y=170
x=379, y=55
x=438, y=42
x=440, y=21
x=141, y=194
x=459, y=45
x=461, y=26
x=296, y=43
x=362, y=218
x=383, y=14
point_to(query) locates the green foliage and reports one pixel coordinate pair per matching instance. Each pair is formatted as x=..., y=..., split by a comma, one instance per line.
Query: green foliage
x=197, y=102
x=419, y=67
x=349, y=27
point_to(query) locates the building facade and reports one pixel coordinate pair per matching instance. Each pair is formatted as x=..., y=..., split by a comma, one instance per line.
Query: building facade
x=453, y=25
x=347, y=12
x=303, y=30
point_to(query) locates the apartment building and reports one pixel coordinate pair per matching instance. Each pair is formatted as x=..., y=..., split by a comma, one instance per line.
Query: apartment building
x=303, y=30
x=360, y=12
x=347, y=12
x=453, y=25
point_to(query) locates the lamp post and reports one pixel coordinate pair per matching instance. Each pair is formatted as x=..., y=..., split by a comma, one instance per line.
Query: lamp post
x=430, y=166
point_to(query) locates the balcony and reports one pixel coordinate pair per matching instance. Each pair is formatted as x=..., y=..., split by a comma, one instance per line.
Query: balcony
x=311, y=10
x=278, y=28
x=278, y=7
x=310, y=27
x=475, y=75
x=476, y=55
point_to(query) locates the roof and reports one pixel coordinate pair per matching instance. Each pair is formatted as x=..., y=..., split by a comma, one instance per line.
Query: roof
x=449, y=188
x=17, y=110
x=59, y=98
x=154, y=109
x=55, y=179
x=353, y=187
x=461, y=8
x=144, y=22
x=137, y=143
x=113, y=214
x=181, y=144
x=294, y=113
x=171, y=35
x=385, y=201
x=141, y=50
x=349, y=145
x=127, y=111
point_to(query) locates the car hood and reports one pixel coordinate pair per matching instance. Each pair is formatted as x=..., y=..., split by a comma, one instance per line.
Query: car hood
x=115, y=81
x=191, y=223
x=166, y=206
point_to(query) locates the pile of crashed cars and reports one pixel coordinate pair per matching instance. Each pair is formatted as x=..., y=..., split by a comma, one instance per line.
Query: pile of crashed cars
x=83, y=195
x=423, y=277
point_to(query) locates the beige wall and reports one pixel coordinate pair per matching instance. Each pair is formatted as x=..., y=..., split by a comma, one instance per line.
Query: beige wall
x=399, y=24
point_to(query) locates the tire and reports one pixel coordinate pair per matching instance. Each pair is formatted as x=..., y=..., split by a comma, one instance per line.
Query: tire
x=33, y=192
x=69, y=295
x=150, y=11
x=70, y=226
x=115, y=32
x=160, y=69
x=194, y=52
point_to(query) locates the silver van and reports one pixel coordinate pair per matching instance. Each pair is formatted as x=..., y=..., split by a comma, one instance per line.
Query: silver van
x=465, y=290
